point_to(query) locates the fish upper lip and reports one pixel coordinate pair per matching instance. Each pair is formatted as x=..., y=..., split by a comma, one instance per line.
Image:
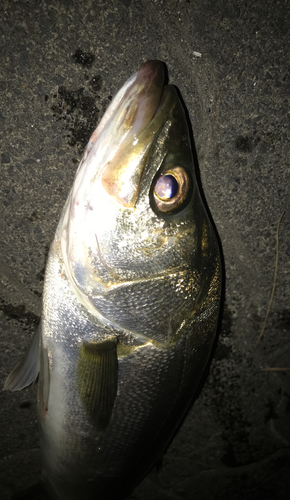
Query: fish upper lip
x=149, y=72
x=122, y=174
x=149, y=84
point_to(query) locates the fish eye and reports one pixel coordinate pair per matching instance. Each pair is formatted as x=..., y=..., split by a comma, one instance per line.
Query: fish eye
x=171, y=189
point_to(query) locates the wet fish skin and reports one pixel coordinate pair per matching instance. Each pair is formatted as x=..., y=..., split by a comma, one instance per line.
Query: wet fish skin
x=131, y=300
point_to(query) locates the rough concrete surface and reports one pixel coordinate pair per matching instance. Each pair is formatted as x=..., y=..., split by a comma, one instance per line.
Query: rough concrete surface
x=61, y=61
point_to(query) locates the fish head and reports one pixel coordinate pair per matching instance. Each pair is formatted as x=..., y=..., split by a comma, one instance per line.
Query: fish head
x=135, y=236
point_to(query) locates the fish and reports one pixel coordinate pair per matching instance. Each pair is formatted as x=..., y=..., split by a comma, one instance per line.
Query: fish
x=131, y=299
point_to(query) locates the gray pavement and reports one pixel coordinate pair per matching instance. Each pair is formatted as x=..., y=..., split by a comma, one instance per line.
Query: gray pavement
x=61, y=61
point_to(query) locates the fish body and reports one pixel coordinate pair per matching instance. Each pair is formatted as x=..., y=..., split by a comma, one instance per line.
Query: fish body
x=131, y=300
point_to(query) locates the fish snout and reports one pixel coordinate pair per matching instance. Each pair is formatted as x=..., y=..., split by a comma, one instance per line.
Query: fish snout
x=122, y=174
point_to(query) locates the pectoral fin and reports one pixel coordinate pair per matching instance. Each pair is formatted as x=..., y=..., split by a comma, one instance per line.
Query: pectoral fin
x=26, y=372
x=98, y=379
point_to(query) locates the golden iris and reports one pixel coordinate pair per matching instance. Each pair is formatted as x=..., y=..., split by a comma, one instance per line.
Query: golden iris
x=171, y=189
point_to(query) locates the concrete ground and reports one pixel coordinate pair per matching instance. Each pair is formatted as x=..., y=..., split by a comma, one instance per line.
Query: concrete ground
x=61, y=61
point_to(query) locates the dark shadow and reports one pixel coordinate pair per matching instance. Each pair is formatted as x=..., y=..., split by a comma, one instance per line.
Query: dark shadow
x=223, y=275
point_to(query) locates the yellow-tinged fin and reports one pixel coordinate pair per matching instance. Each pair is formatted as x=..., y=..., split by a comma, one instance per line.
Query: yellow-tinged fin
x=26, y=372
x=98, y=379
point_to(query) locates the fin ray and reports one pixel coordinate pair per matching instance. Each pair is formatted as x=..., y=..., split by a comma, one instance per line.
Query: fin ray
x=25, y=372
x=98, y=379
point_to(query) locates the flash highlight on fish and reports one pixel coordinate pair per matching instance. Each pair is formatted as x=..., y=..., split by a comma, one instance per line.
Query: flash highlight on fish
x=131, y=300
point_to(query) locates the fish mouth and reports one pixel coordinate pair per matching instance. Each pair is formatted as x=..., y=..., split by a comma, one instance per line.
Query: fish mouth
x=143, y=97
x=130, y=123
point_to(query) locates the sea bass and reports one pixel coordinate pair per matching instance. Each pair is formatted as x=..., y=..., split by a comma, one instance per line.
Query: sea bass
x=131, y=300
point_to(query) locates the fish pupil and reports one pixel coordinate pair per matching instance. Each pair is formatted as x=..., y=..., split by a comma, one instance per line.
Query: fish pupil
x=166, y=187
